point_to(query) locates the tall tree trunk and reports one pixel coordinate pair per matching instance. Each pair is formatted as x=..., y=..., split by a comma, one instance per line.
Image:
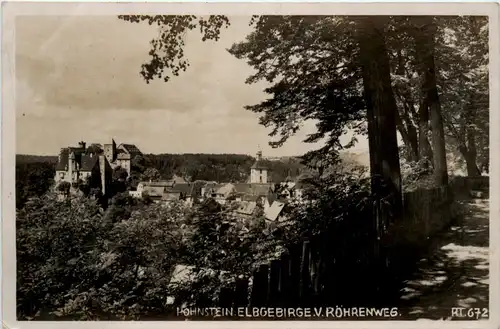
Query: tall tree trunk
x=412, y=148
x=404, y=124
x=470, y=161
x=469, y=150
x=424, y=146
x=381, y=113
x=424, y=42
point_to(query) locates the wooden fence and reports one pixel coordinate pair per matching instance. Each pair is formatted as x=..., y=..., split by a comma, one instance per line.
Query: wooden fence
x=346, y=267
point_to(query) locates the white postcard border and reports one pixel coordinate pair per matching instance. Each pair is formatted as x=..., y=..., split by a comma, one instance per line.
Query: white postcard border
x=12, y=9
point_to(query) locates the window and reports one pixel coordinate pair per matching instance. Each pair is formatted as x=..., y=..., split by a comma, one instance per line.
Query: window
x=260, y=177
x=61, y=174
x=260, y=171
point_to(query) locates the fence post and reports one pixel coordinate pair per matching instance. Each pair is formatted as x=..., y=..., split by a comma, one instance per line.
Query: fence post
x=241, y=293
x=294, y=291
x=284, y=284
x=226, y=297
x=274, y=282
x=260, y=287
x=304, y=271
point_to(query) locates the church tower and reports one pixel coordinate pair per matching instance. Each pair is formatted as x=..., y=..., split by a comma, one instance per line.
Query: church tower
x=258, y=171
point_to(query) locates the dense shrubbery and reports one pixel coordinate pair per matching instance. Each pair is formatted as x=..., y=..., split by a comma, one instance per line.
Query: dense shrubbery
x=32, y=179
x=77, y=261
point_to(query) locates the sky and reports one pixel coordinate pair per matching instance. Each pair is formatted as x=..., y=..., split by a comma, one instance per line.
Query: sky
x=77, y=79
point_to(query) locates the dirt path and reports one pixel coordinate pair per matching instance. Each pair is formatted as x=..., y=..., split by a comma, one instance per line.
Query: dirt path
x=456, y=273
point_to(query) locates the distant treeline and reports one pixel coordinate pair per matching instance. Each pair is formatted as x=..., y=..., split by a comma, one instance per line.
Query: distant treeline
x=26, y=158
x=219, y=167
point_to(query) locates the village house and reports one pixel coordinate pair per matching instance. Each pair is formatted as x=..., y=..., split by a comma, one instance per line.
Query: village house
x=165, y=191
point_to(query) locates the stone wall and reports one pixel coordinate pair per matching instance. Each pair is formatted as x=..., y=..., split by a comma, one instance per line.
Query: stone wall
x=462, y=185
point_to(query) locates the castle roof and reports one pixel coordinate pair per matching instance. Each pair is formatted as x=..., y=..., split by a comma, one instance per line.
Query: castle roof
x=122, y=155
x=87, y=163
x=130, y=148
x=63, y=159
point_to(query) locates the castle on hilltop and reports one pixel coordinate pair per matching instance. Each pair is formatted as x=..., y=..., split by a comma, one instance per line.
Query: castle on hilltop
x=94, y=163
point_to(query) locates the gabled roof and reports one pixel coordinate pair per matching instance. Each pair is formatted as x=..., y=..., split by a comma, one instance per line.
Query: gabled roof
x=259, y=164
x=246, y=207
x=244, y=188
x=212, y=188
x=63, y=159
x=226, y=190
x=156, y=184
x=179, y=180
x=250, y=197
x=88, y=162
x=271, y=197
x=274, y=211
x=185, y=188
x=130, y=148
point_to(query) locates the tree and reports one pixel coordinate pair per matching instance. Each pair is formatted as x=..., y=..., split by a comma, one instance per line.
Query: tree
x=460, y=55
x=33, y=179
x=382, y=110
x=151, y=174
x=425, y=31
x=54, y=247
x=138, y=164
x=313, y=65
x=94, y=149
x=462, y=60
x=412, y=118
x=64, y=187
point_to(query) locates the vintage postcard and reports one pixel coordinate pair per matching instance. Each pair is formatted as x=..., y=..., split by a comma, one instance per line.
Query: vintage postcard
x=268, y=164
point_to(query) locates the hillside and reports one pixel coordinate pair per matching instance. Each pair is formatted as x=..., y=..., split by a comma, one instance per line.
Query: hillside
x=27, y=158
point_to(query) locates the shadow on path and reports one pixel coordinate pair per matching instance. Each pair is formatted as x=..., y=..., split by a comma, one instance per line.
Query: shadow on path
x=455, y=273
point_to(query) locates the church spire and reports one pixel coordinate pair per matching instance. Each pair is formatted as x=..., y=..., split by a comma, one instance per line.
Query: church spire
x=259, y=153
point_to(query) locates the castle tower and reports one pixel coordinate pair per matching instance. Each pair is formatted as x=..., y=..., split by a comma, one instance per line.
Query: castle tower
x=71, y=165
x=258, y=171
x=110, y=151
x=102, y=172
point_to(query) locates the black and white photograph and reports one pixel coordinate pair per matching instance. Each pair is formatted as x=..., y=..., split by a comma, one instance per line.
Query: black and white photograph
x=249, y=166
